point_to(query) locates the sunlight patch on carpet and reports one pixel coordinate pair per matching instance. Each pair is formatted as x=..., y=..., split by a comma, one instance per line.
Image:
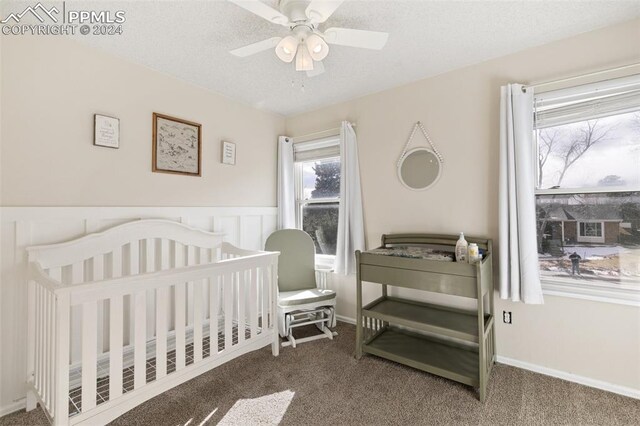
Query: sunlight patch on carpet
x=265, y=410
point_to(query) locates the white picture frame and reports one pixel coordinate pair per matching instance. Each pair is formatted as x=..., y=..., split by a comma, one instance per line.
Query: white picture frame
x=106, y=131
x=228, y=154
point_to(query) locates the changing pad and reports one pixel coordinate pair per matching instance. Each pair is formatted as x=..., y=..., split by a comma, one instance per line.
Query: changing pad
x=414, y=252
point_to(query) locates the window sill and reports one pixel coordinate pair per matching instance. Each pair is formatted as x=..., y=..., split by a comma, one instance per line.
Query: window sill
x=599, y=292
x=325, y=262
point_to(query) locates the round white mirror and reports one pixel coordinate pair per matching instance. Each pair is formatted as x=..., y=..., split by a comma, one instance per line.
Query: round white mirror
x=419, y=169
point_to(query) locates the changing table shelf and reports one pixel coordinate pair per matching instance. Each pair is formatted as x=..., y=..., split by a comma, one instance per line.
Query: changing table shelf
x=450, y=322
x=453, y=343
x=443, y=359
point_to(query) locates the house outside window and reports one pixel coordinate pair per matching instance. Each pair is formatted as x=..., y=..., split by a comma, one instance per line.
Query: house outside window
x=588, y=190
x=317, y=169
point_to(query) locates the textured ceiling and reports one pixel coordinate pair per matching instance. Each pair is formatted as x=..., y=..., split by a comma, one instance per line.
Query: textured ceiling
x=191, y=39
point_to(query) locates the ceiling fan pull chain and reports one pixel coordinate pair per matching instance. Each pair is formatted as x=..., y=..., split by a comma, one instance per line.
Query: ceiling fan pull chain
x=426, y=136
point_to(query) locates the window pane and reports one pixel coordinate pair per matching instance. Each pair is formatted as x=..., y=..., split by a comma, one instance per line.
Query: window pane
x=593, y=153
x=321, y=222
x=590, y=237
x=321, y=179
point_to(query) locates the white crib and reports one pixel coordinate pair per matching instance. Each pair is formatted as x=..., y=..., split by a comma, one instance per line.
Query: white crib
x=118, y=317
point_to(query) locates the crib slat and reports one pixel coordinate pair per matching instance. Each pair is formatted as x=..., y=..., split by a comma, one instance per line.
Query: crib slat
x=165, y=254
x=51, y=349
x=39, y=354
x=214, y=308
x=178, y=260
x=204, y=259
x=31, y=330
x=241, y=305
x=77, y=276
x=134, y=258
x=273, y=298
x=134, y=269
x=45, y=345
x=116, y=262
x=140, y=349
x=89, y=355
x=116, y=313
x=265, y=298
x=190, y=261
x=61, y=410
x=97, y=275
x=150, y=255
x=77, y=273
x=253, y=302
x=161, y=332
x=227, y=289
x=180, y=325
x=197, y=321
x=41, y=337
x=150, y=266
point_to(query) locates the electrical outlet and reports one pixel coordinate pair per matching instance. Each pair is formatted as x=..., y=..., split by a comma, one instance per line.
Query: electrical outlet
x=506, y=317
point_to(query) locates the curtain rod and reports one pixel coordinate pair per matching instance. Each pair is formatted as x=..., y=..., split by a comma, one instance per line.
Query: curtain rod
x=575, y=77
x=329, y=131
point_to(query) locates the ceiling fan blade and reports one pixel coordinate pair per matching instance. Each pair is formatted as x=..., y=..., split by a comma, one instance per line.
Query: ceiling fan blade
x=356, y=38
x=258, y=8
x=254, y=48
x=318, y=68
x=320, y=10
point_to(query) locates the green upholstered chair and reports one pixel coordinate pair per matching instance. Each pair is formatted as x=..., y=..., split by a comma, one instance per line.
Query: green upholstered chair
x=300, y=301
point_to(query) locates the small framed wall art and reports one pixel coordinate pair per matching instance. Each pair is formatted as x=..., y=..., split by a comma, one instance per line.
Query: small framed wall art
x=177, y=146
x=106, y=131
x=228, y=153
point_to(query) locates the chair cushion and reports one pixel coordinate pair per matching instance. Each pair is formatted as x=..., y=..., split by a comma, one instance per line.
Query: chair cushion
x=296, y=263
x=302, y=297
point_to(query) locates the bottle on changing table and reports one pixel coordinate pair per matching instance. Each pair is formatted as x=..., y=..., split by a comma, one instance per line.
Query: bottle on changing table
x=461, y=249
x=473, y=253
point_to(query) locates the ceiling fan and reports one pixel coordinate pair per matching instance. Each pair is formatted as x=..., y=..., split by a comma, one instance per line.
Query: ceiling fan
x=306, y=43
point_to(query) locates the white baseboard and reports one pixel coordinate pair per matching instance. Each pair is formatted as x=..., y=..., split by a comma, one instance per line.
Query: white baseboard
x=12, y=408
x=598, y=384
x=346, y=319
x=570, y=377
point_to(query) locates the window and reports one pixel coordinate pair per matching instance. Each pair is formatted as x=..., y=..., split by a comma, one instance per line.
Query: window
x=590, y=229
x=318, y=193
x=588, y=189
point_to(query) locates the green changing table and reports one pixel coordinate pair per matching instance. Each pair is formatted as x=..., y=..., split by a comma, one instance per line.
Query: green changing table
x=449, y=342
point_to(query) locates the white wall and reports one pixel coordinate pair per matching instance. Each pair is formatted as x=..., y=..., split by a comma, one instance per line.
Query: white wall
x=599, y=341
x=52, y=87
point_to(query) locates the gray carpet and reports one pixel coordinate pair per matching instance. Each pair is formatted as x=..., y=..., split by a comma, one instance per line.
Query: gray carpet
x=320, y=383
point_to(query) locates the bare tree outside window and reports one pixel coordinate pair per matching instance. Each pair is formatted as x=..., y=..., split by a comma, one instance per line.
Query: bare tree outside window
x=600, y=231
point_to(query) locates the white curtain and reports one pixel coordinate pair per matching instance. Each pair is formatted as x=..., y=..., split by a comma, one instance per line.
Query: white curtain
x=350, y=216
x=286, y=188
x=519, y=273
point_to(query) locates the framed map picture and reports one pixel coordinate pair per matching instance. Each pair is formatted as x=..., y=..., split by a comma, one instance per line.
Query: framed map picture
x=177, y=146
x=106, y=131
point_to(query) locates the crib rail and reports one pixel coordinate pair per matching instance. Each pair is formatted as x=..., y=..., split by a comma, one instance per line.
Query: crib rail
x=181, y=322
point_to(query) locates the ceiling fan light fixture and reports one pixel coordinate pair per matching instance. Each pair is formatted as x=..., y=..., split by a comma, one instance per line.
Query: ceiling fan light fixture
x=317, y=47
x=304, y=61
x=286, y=49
